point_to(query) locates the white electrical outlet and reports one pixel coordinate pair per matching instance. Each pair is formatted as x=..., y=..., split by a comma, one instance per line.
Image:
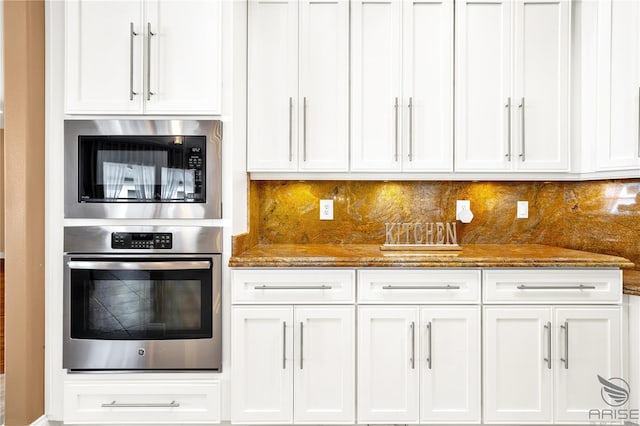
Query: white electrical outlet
x=462, y=205
x=326, y=209
x=522, y=212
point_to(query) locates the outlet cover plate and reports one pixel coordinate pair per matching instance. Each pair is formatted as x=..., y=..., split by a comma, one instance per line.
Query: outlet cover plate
x=462, y=205
x=326, y=209
x=522, y=211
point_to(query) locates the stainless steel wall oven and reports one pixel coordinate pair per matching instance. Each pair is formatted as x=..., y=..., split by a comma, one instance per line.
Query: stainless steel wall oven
x=143, y=169
x=142, y=298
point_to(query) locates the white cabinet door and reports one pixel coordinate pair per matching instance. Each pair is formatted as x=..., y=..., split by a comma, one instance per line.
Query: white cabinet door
x=517, y=380
x=183, y=56
x=272, y=86
x=484, y=103
x=428, y=85
x=104, y=45
x=376, y=103
x=450, y=364
x=324, y=85
x=589, y=344
x=542, y=64
x=262, y=362
x=618, y=85
x=324, y=354
x=388, y=364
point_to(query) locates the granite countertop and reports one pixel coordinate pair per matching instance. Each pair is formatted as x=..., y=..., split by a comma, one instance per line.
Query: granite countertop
x=471, y=255
x=631, y=280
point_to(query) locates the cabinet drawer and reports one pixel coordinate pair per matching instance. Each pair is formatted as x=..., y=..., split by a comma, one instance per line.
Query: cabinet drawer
x=292, y=286
x=552, y=286
x=419, y=286
x=130, y=402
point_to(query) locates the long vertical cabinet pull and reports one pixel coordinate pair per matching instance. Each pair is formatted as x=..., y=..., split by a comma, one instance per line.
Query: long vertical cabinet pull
x=565, y=328
x=304, y=129
x=508, y=107
x=411, y=129
x=429, y=345
x=149, y=35
x=395, y=106
x=413, y=345
x=521, y=106
x=301, y=345
x=638, y=122
x=284, y=345
x=290, y=129
x=132, y=34
x=547, y=328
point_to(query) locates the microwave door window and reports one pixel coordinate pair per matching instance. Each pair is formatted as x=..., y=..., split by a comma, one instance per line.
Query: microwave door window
x=129, y=175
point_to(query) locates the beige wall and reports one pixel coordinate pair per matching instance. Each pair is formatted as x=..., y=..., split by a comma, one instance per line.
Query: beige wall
x=24, y=212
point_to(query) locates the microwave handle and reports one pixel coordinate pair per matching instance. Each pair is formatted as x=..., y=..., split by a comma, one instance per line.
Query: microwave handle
x=134, y=266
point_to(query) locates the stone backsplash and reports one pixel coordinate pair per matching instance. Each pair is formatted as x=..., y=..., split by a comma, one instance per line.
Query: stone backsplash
x=598, y=216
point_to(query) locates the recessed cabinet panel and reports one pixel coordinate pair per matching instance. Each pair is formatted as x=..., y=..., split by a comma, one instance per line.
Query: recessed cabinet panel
x=272, y=85
x=376, y=101
x=324, y=85
x=104, y=46
x=183, y=54
x=518, y=379
x=542, y=84
x=589, y=344
x=428, y=85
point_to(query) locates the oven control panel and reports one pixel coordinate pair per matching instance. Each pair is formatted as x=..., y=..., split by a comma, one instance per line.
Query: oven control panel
x=141, y=240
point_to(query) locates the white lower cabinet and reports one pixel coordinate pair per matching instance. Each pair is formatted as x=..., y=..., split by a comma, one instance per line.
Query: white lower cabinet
x=103, y=401
x=541, y=364
x=293, y=364
x=418, y=364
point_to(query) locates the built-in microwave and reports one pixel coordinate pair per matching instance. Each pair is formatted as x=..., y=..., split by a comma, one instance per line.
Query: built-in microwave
x=142, y=169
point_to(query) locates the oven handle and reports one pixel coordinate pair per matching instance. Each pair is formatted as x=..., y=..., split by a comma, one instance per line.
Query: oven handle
x=135, y=266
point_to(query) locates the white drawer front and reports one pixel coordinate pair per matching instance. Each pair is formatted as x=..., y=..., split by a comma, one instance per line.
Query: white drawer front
x=419, y=286
x=293, y=286
x=552, y=286
x=125, y=402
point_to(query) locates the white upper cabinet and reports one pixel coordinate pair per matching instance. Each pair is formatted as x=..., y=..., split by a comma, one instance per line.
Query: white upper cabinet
x=618, y=93
x=512, y=85
x=428, y=85
x=136, y=57
x=298, y=90
x=401, y=85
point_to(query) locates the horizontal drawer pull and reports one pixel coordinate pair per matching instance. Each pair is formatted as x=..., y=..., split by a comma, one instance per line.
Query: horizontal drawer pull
x=556, y=287
x=114, y=404
x=293, y=287
x=421, y=287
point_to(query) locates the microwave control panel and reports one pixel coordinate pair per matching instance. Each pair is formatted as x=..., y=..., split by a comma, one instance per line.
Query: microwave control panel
x=141, y=240
x=195, y=160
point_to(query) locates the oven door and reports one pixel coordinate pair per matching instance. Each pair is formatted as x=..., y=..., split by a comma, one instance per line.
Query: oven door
x=138, y=313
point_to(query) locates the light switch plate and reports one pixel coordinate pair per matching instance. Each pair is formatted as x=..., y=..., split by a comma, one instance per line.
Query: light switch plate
x=326, y=209
x=522, y=212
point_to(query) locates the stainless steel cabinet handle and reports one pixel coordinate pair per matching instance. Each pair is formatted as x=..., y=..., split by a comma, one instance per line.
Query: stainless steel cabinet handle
x=565, y=327
x=114, y=404
x=547, y=329
x=413, y=345
x=292, y=287
x=132, y=34
x=396, y=130
x=429, y=343
x=638, y=122
x=410, y=129
x=421, y=287
x=284, y=345
x=304, y=129
x=301, y=345
x=149, y=35
x=290, y=129
x=508, y=106
x=521, y=106
x=556, y=287
x=135, y=266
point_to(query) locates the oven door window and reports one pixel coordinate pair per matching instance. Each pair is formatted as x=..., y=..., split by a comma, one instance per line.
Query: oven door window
x=141, y=169
x=141, y=304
